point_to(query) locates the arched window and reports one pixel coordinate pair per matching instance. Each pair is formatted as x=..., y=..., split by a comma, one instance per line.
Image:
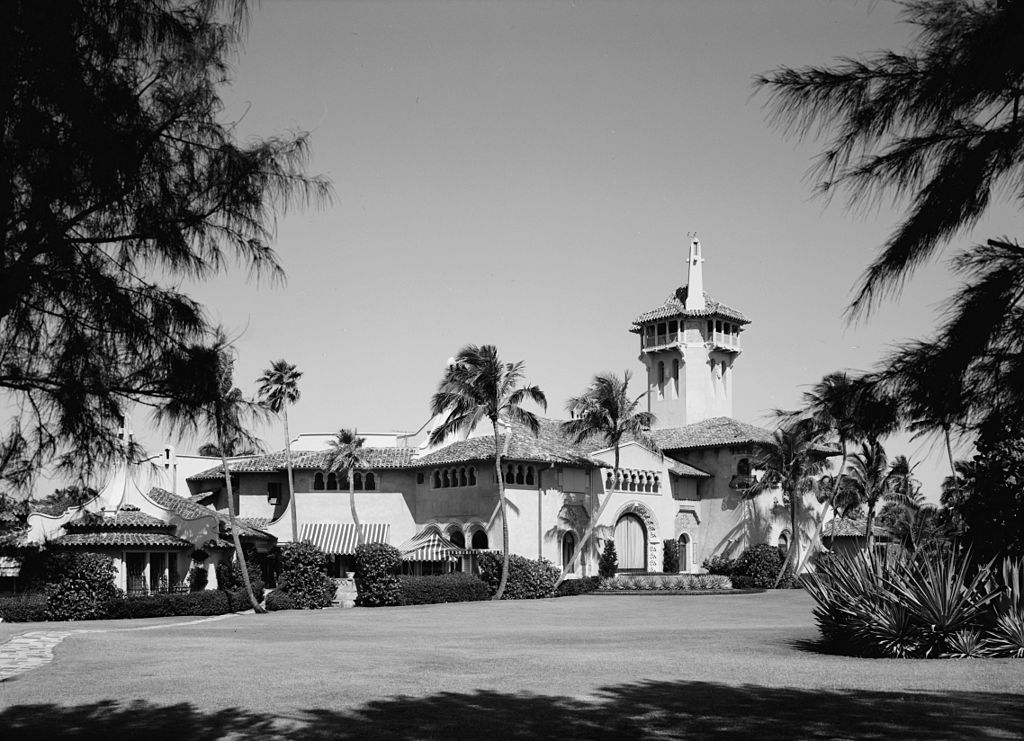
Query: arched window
x=472, y=476
x=457, y=538
x=529, y=475
x=684, y=552
x=631, y=543
x=437, y=479
x=462, y=477
x=332, y=481
x=318, y=481
x=568, y=548
x=479, y=540
x=675, y=377
x=661, y=378
x=510, y=475
x=784, y=540
x=445, y=481
x=357, y=480
x=743, y=467
x=371, y=481
x=520, y=479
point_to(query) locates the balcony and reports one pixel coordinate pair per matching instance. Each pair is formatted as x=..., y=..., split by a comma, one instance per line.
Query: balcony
x=652, y=341
x=725, y=341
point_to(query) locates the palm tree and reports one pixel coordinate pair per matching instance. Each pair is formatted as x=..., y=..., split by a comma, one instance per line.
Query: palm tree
x=605, y=410
x=346, y=453
x=477, y=385
x=792, y=462
x=939, y=123
x=279, y=387
x=233, y=448
x=871, y=479
x=208, y=401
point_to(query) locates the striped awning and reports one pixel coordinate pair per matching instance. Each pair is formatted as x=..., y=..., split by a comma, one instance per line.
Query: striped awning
x=340, y=537
x=430, y=547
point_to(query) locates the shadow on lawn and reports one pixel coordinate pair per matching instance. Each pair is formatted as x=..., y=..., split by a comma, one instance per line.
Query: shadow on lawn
x=642, y=710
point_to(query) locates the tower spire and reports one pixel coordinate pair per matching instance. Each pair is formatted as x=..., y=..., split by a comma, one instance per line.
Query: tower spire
x=695, y=279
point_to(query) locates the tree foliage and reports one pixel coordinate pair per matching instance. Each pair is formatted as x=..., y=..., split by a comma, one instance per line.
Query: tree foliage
x=345, y=453
x=120, y=181
x=939, y=124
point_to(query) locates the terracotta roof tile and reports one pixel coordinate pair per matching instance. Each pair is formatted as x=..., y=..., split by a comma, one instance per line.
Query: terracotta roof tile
x=127, y=518
x=179, y=505
x=710, y=433
x=116, y=539
x=305, y=460
x=548, y=446
x=675, y=305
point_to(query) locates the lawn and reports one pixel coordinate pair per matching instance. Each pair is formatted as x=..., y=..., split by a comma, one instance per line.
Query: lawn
x=588, y=667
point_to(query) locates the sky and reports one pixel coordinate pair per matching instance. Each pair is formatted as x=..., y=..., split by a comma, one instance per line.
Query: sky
x=525, y=174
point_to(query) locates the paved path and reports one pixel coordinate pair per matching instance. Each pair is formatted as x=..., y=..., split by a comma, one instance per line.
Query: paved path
x=35, y=648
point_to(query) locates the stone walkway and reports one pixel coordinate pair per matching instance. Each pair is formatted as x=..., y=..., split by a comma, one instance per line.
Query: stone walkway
x=33, y=649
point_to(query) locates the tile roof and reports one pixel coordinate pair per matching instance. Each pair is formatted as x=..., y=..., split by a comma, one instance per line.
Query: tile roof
x=115, y=539
x=675, y=305
x=127, y=517
x=685, y=470
x=179, y=505
x=710, y=433
x=548, y=446
x=305, y=460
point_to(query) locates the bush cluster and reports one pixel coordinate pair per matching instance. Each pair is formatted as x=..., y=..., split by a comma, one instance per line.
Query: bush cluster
x=571, y=587
x=278, y=600
x=670, y=557
x=78, y=585
x=527, y=579
x=429, y=590
x=608, y=563
x=229, y=579
x=929, y=604
x=757, y=568
x=377, y=566
x=665, y=583
x=304, y=577
x=720, y=565
x=23, y=608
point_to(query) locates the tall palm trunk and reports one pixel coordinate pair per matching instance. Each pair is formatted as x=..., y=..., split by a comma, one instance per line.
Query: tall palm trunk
x=594, y=519
x=352, y=505
x=791, y=554
x=291, y=480
x=830, y=503
x=946, y=432
x=239, y=554
x=869, y=533
x=501, y=507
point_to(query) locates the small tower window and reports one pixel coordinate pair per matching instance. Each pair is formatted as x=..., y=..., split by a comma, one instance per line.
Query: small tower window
x=318, y=481
x=419, y=477
x=718, y=325
x=437, y=479
x=472, y=476
x=371, y=481
x=445, y=481
x=711, y=327
x=673, y=327
x=332, y=482
x=462, y=477
x=520, y=479
x=675, y=377
x=529, y=475
x=357, y=480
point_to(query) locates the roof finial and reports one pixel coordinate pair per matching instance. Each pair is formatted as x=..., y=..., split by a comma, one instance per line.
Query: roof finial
x=695, y=279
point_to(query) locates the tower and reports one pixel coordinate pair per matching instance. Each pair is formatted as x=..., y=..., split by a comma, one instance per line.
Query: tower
x=689, y=345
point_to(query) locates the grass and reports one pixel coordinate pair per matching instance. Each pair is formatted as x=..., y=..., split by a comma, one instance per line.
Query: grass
x=578, y=667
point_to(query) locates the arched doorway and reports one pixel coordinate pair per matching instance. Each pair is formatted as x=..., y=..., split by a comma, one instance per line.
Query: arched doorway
x=684, y=553
x=631, y=543
x=568, y=548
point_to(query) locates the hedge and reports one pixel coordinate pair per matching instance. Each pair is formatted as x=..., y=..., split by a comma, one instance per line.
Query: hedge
x=376, y=580
x=278, y=600
x=527, y=579
x=571, y=587
x=429, y=590
x=78, y=585
x=33, y=607
x=304, y=577
x=758, y=566
x=665, y=583
x=23, y=608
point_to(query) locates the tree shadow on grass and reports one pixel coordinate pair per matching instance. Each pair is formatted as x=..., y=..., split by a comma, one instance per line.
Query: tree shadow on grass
x=686, y=710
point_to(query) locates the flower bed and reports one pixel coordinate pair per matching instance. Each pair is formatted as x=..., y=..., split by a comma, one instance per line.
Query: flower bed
x=665, y=583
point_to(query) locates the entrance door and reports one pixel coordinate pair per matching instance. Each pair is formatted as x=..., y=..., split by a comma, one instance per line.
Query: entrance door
x=631, y=543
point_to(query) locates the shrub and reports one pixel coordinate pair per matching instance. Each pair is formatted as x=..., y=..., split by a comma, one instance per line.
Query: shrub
x=304, y=577
x=571, y=587
x=376, y=581
x=670, y=558
x=229, y=578
x=428, y=590
x=527, y=579
x=665, y=583
x=925, y=604
x=197, y=578
x=608, y=564
x=23, y=608
x=278, y=600
x=207, y=602
x=758, y=567
x=720, y=565
x=79, y=585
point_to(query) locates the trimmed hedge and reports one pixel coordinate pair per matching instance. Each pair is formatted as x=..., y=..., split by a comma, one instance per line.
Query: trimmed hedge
x=304, y=577
x=571, y=587
x=377, y=566
x=23, y=608
x=278, y=600
x=665, y=583
x=527, y=579
x=429, y=590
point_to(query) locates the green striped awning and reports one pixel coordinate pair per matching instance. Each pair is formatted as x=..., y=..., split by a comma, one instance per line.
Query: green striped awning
x=339, y=538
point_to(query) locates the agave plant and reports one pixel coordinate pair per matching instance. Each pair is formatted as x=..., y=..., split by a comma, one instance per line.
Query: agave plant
x=967, y=644
x=1006, y=638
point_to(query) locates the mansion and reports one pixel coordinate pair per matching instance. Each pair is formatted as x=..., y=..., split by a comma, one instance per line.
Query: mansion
x=439, y=503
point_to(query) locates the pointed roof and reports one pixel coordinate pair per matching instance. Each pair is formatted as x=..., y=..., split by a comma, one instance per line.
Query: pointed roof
x=675, y=306
x=710, y=433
